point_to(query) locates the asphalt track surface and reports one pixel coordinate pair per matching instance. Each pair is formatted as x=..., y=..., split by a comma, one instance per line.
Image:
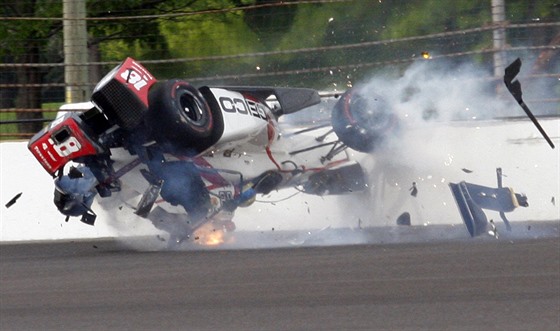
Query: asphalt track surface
x=480, y=284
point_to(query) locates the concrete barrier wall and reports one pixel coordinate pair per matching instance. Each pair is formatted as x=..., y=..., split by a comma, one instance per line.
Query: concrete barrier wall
x=429, y=156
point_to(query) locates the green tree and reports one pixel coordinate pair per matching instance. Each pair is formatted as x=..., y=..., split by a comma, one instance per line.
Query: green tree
x=25, y=42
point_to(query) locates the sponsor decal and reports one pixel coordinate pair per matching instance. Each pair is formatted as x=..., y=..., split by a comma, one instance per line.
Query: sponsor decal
x=69, y=146
x=133, y=77
x=42, y=157
x=243, y=107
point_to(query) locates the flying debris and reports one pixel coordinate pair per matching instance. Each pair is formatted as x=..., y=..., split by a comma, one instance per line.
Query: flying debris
x=468, y=171
x=413, y=190
x=403, y=219
x=13, y=200
x=514, y=87
x=472, y=198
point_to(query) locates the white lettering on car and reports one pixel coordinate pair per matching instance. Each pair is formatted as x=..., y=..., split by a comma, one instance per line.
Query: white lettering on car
x=244, y=107
x=51, y=156
x=134, y=78
x=69, y=146
x=42, y=157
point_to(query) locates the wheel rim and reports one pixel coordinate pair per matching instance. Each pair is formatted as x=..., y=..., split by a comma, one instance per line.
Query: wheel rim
x=191, y=108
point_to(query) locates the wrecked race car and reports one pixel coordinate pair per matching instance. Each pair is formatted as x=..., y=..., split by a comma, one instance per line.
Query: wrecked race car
x=184, y=157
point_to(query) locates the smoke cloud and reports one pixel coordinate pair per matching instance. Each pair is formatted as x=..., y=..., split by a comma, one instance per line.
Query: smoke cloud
x=447, y=127
x=440, y=91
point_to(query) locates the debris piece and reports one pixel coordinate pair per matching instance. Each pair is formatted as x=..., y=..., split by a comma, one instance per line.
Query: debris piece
x=494, y=231
x=553, y=201
x=514, y=87
x=13, y=200
x=468, y=171
x=404, y=219
x=148, y=199
x=94, y=246
x=413, y=190
x=471, y=199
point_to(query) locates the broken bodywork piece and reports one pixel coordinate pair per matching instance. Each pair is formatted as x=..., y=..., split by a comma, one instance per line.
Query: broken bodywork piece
x=514, y=87
x=13, y=200
x=471, y=199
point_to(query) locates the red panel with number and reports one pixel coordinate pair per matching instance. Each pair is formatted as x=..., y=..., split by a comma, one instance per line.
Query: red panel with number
x=61, y=142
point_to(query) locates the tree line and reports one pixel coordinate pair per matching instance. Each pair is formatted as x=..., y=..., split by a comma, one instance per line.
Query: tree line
x=226, y=38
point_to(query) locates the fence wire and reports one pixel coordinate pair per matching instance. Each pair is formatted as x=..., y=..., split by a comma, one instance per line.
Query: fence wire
x=316, y=43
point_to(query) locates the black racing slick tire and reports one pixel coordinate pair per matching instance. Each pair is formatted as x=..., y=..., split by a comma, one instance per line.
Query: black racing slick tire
x=180, y=116
x=362, y=122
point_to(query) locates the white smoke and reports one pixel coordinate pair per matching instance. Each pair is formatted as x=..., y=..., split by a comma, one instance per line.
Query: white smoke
x=441, y=91
x=426, y=96
x=450, y=131
x=427, y=153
